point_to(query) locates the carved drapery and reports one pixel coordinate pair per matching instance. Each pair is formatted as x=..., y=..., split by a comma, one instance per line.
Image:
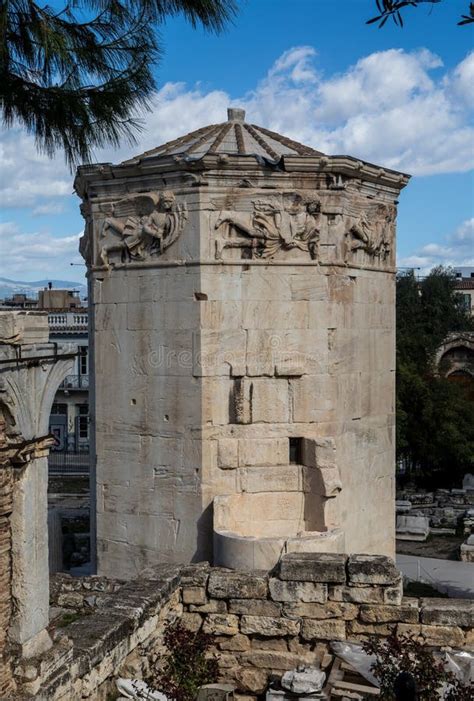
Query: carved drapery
x=139, y=227
x=271, y=227
x=372, y=231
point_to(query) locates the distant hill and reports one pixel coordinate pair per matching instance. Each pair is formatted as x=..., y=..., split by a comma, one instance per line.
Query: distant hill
x=10, y=287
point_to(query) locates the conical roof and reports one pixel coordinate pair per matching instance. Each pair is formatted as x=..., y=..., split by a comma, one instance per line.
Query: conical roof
x=235, y=137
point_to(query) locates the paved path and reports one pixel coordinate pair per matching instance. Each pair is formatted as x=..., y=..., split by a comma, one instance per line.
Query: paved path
x=448, y=576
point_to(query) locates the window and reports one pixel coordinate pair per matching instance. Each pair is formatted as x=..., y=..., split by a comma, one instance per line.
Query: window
x=83, y=421
x=59, y=408
x=296, y=451
x=83, y=360
x=466, y=302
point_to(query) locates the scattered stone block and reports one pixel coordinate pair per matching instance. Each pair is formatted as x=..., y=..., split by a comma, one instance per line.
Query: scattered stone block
x=403, y=506
x=467, y=550
x=468, y=481
x=313, y=567
x=308, y=680
x=412, y=528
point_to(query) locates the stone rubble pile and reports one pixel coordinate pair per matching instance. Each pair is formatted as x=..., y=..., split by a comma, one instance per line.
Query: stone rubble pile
x=443, y=512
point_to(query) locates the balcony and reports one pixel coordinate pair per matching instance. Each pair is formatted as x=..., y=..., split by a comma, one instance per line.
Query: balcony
x=68, y=321
x=75, y=382
x=69, y=463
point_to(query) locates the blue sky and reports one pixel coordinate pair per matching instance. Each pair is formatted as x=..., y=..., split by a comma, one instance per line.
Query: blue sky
x=310, y=69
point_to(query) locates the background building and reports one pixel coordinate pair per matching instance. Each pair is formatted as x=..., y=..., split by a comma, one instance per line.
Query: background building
x=69, y=422
x=465, y=287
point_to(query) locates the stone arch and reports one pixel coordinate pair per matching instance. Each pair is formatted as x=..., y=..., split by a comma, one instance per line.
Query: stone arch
x=455, y=357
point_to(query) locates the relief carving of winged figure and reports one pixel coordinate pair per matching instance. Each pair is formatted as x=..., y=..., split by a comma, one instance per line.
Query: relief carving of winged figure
x=373, y=232
x=142, y=225
x=271, y=227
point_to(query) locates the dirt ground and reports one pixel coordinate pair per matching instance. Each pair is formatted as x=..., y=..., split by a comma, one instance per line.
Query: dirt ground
x=442, y=547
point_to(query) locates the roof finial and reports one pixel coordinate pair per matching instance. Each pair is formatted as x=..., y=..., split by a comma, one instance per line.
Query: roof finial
x=235, y=114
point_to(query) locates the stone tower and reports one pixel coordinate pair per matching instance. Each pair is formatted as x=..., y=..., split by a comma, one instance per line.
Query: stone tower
x=243, y=317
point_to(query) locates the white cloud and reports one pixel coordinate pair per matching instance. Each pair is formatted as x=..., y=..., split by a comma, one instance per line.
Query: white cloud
x=29, y=177
x=48, y=208
x=457, y=250
x=463, y=80
x=37, y=252
x=393, y=107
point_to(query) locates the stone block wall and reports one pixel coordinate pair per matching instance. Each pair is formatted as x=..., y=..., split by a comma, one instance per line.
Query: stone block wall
x=263, y=623
x=269, y=624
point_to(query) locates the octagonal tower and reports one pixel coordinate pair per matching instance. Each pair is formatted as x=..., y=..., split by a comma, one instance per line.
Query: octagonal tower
x=242, y=300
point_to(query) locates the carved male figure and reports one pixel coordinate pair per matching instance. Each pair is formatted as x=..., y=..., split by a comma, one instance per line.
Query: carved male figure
x=373, y=235
x=269, y=228
x=146, y=230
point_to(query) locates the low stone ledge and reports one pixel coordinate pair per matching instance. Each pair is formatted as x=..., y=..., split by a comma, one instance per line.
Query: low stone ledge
x=449, y=612
x=96, y=635
x=313, y=567
x=228, y=584
x=372, y=569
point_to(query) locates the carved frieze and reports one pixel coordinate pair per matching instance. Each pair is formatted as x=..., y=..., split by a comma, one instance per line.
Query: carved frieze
x=372, y=231
x=271, y=227
x=141, y=226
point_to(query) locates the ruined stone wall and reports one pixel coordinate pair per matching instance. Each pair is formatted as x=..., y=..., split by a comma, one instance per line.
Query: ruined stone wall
x=5, y=564
x=263, y=623
x=269, y=624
